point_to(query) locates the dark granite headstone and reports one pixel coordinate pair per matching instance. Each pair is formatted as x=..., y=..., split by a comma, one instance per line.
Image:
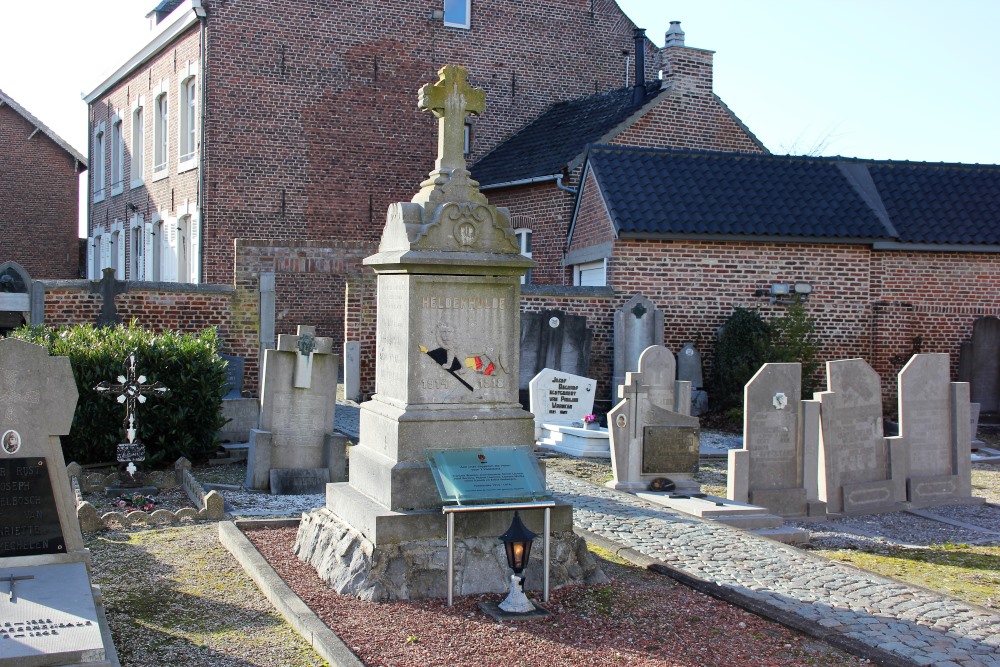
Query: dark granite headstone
x=668, y=449
x=29, y=518
x=985, y=381
x=553, y=339
x=234, y=376
x=638, y=325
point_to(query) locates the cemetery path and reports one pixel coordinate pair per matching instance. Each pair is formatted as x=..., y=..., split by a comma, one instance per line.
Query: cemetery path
x=893, y=622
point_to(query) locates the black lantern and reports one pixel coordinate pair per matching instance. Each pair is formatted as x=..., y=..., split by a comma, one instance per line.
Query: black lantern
x=517, y=541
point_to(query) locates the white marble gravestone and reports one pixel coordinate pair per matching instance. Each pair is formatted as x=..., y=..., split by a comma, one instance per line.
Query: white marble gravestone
x=652, y=434
x=295, y=443
x=560, y=401
x=51, y=613
x=934, y=426
x=446, y=378
x=780, y=445
x=860, y=470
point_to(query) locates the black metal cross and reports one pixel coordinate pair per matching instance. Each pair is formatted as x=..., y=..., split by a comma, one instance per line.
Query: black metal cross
x=129, y=390
x=108, y=288
x=13, y=580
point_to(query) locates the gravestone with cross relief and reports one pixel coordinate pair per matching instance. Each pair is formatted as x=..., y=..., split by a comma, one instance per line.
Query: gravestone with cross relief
x=51, y=613
x=638, y=324
x=652, y=433
x=295, y=449
x=446, y=378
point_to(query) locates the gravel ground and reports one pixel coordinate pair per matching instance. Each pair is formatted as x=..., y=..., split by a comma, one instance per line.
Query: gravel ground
x=640, y=619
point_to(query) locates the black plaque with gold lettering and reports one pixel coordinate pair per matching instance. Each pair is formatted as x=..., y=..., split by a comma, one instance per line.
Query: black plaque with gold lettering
x=29, y=518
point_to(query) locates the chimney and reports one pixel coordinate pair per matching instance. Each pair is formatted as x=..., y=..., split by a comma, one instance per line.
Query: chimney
x=686, y=69
x=639, y=92
x=675, y=36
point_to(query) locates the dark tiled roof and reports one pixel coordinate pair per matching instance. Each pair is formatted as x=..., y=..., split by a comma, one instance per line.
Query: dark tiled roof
x=651, y=191
x=941, y=203
x=556, y=137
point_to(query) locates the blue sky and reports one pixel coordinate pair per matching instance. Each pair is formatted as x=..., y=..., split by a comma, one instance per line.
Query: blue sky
x=895, y=79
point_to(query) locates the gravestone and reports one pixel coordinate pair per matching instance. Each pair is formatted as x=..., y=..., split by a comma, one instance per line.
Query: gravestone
x=638, y=325
x=108, y=288
x=934, y=427
x=860, y=470
x=780, y=445
x=241, y=414
x=560, y=401
x=295, y=449
x=51, y=614
x=974, y=409
x=984, y=368
x=446, y=378
x=553, y=339
x=689, y=370
x=652, y=434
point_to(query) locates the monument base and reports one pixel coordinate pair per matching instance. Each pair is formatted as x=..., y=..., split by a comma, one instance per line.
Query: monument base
x=366, y=550
x=576, y=441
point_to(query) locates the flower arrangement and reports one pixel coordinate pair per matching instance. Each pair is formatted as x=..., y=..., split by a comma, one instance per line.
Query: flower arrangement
x=590, y=419
x=135, y=502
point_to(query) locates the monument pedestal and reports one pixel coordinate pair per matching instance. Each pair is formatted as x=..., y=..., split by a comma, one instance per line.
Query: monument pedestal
x=446, y=378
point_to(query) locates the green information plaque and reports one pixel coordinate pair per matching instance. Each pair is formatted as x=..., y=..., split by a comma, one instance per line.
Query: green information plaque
x=487, y=474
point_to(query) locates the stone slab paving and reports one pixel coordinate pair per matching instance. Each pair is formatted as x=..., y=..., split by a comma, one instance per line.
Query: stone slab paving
x=909, y=624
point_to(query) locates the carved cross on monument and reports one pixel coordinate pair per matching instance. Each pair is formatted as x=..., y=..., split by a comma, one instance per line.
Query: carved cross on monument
x=13, y=580
x=451, y=99
x=108, y=288
x=10, y=394
x=632, y=390
x=129, y=390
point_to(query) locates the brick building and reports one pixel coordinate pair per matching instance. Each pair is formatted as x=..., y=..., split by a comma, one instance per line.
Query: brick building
x=39, y=208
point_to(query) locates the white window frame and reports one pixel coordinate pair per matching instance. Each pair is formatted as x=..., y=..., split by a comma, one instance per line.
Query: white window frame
x=116, y=252
x=136, y=248
x=161, y=132
x=468, y=14
x=94, y=257
x=97, y=162
x=187, y=238
x=187, y=118
x=580, y=269
x=138, y=134
x=117, y=155
x=524, y=245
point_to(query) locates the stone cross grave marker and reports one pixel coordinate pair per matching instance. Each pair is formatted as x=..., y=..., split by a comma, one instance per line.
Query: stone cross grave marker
x=934, y=427
x=451, y=99
x=860, y=471
x=50, y=613
x=780, y=444
x=129, y=390
x=295, y=450
x=108, y=287
x=652, y=435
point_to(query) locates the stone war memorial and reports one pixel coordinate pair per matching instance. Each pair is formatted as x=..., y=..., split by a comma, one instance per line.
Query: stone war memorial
x=560, y=403
x=447, y=359
x=50, y=612
x=295, y=449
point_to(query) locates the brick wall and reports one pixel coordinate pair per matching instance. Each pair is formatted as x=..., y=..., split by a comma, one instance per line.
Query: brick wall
x=312, y=122
x=159, y=307
x=39, y=196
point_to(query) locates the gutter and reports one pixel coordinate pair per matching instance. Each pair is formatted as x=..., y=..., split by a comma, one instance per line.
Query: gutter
x=934, y=247
x=199, y=11
x=523, y=181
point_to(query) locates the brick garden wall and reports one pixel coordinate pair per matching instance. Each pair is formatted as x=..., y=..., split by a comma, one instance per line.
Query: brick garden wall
x=39, y=200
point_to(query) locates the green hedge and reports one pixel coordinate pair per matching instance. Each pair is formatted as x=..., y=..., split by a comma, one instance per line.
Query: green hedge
x=183, y=423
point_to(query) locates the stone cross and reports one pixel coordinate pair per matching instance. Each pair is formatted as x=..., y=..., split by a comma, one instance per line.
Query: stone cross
x=13, y=580
x=451, y=99
x=108, y=288
x=631, y=391
x=129, y=390
x=10, y=395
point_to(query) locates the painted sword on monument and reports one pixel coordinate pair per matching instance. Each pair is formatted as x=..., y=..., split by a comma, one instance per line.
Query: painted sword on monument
x=129, y=390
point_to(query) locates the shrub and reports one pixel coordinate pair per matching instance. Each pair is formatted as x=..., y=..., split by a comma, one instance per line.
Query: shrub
x=183, y=423
x=793, y=338
x=741, y=348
